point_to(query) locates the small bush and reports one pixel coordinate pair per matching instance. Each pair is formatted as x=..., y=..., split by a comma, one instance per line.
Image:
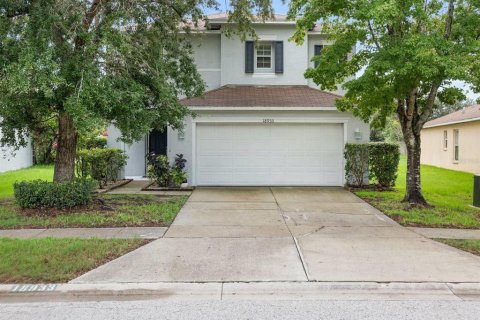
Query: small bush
x=159, y=170
x=356, y=163
x=101, y=165
x=383, y=163
x=92, y=142
x=43, y=194
x=96, y=142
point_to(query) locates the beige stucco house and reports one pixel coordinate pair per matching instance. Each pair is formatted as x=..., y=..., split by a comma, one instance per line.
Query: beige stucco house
x=453, y=141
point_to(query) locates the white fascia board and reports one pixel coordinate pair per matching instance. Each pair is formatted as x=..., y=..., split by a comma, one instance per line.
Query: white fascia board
x=451, y=122
x=288, y=22
x=263, y=108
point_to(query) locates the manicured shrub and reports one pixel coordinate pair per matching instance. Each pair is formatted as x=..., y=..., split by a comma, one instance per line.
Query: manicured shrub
x=44, y=194
x=159, y=170
x=99, y=142
x=102, y=165
x=383, y=163
x=92, y=141
x=356, y=163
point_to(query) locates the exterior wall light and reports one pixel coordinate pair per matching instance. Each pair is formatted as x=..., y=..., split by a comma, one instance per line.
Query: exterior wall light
x=357, y=134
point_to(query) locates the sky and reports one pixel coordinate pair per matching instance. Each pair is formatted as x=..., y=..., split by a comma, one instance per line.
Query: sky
x=282, y=8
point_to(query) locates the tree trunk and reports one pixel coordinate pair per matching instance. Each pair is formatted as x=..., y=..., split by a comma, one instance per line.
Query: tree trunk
x=413, y=192
x=410, y=122
x=66, y=149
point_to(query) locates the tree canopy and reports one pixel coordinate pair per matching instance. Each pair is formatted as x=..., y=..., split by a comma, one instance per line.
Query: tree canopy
x=83, y=61
x=407, y=55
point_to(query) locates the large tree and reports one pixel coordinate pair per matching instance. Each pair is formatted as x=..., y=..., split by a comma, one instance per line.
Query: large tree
x=408, y=53
x=84, y=61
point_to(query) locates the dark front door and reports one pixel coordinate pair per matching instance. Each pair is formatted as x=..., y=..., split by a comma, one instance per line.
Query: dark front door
x=157, y=141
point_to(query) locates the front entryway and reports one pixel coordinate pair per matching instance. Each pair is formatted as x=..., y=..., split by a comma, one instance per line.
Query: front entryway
x=254, y=154
x=286, y=234
x=157, y=141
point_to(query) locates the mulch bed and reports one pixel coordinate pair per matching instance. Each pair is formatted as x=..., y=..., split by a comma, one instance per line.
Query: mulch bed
x=154, y=187
x=114, y=185
x=98, y=205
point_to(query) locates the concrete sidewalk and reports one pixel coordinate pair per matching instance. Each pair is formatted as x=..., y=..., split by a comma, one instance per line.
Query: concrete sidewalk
x=286, y=234
x=107, y=233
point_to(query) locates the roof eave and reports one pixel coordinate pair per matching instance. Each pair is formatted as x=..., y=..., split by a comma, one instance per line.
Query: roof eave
x=260, y=108
x=451, y=123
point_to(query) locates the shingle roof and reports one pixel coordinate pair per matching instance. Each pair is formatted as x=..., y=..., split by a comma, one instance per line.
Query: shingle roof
x=466, y=114
x=221, y=17
x=263, y=96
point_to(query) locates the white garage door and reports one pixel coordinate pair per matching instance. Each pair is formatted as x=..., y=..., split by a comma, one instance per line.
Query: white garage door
x=269, y=154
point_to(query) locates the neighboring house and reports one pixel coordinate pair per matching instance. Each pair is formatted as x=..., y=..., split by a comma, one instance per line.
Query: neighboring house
x=452, y=141
x=11, y=159
x=260, y=122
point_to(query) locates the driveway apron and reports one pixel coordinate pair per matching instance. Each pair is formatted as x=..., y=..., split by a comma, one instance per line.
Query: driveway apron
x=286, y=234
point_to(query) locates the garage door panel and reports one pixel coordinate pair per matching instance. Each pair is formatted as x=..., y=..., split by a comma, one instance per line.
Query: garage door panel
x=215, y=161
x=269, y=154
x=215, y=146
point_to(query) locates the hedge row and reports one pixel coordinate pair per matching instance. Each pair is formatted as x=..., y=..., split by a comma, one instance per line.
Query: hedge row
x=102, y=165
x=378, y=159
x=44, y=194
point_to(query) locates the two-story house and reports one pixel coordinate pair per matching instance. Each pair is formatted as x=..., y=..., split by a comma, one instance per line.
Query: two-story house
x=260, y=121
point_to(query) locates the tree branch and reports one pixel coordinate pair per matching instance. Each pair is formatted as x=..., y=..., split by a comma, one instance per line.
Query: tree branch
x=449, y=20
x=374, y=38
x=428, y=109
x=88, y=19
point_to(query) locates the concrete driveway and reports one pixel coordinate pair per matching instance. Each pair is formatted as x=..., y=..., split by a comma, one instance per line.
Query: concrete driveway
x=286, y=234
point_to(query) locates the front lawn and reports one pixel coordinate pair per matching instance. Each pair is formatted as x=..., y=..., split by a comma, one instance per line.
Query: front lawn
x=120, y=210
x=470, y=245
x=51, y=260
x=7, y=179
x=450, y=192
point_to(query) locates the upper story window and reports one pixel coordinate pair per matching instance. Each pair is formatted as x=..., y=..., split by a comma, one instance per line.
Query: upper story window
x=445, y=140
x=264, y=56
x=317, y=50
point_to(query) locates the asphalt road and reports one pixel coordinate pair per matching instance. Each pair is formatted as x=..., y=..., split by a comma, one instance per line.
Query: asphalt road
x=225, y=310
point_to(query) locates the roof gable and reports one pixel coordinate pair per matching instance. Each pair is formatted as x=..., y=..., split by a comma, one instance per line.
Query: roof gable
x=466, y=114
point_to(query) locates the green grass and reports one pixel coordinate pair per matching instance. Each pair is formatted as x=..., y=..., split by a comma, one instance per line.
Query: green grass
x=470, y=245
x=128, y=210
x=7, y=179
x=449, y=191
x=50, y=260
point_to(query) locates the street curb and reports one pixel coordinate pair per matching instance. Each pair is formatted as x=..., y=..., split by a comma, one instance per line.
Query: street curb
x=241, y=291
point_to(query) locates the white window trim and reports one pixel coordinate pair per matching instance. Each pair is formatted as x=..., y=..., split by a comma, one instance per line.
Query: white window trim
x=456, y=145
x=445, y=140
x=270, y=70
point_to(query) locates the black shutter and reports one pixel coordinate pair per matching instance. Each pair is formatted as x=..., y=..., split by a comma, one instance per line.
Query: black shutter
x=278, y=56
x=317, y=51
x=249, y=47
